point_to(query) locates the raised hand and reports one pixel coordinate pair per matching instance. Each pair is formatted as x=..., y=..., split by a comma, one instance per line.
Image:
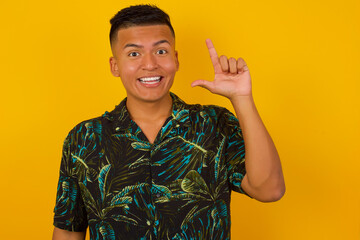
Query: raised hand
x=232, y=77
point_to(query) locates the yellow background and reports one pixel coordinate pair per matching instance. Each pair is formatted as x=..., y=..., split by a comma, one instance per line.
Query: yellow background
x=304, y=58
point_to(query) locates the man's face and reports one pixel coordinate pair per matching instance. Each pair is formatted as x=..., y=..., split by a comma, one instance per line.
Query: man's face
x=145, y=59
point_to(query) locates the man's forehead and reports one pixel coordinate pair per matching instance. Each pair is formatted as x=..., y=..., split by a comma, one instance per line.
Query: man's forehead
x=148, y=30
x=145, y=34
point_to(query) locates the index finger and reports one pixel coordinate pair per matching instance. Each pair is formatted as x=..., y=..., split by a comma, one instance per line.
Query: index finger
x=213, y=55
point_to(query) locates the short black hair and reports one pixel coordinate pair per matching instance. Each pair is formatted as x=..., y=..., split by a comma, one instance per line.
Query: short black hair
x=138, y=15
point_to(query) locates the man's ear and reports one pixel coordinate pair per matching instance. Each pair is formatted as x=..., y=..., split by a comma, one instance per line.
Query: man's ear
x=114, y=67
x=177, y=60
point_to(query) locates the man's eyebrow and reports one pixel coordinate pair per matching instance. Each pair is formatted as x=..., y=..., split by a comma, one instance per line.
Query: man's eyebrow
x=140, y=46
x=132, y=45
x=160, y=42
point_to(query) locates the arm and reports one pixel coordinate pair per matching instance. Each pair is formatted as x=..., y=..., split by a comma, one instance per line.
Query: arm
x=264, y=179
x=60, y=234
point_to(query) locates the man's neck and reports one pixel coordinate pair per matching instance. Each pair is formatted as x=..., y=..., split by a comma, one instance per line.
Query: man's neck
x=149, y=111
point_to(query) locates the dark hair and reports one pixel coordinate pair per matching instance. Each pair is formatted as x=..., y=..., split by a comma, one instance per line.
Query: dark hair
x=138, y=15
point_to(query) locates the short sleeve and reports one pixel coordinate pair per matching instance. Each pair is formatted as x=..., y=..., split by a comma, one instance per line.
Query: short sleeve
x=235, y=153
x=69, y=211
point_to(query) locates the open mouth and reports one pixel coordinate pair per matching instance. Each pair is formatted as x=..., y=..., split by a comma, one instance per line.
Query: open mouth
x=150, y=80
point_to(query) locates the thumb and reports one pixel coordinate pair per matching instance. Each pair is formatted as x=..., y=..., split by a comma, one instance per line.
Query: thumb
x=203, y=83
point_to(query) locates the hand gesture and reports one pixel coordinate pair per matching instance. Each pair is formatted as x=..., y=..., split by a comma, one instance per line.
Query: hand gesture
x=232, y=77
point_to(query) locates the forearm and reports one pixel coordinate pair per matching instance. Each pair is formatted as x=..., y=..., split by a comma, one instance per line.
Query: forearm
x=264, y=179
x=60, y=234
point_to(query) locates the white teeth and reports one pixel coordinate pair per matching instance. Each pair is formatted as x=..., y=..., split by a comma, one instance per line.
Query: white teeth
x=149, y=79
x=150, y=83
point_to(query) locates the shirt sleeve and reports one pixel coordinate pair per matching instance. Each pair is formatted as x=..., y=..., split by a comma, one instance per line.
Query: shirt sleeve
x=69, y=211
x=235, y=153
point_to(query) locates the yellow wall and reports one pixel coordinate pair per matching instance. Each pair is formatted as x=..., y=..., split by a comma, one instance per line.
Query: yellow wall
x=304, y=58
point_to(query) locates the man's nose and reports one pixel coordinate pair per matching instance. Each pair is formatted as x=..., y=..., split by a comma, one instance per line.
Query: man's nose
x=149, y=62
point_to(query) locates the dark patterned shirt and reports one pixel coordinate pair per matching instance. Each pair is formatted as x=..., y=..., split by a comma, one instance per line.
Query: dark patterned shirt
x=115, y=182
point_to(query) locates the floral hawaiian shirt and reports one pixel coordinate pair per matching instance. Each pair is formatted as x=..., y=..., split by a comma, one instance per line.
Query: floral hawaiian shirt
x=115, y=182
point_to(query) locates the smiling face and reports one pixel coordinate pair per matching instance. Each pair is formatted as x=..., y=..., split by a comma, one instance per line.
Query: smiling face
x=145, y=59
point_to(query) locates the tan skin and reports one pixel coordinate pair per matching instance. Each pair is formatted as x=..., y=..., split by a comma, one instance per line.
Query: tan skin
x=60, y=234
x=149, y=51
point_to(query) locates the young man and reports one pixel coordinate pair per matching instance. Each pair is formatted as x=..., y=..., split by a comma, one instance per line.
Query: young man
x=156, y=167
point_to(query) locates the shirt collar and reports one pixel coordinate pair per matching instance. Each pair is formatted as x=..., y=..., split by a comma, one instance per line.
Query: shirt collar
x=180, y=116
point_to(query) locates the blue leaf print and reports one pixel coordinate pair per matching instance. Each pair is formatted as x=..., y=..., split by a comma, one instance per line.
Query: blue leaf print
x=102, y=179
x=107, y=231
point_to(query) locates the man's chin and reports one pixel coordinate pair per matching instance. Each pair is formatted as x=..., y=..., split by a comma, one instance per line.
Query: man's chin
x=152, y=98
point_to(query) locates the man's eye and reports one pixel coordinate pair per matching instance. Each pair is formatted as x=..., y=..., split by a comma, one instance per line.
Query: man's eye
x=133, y=54
x=161, y=51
